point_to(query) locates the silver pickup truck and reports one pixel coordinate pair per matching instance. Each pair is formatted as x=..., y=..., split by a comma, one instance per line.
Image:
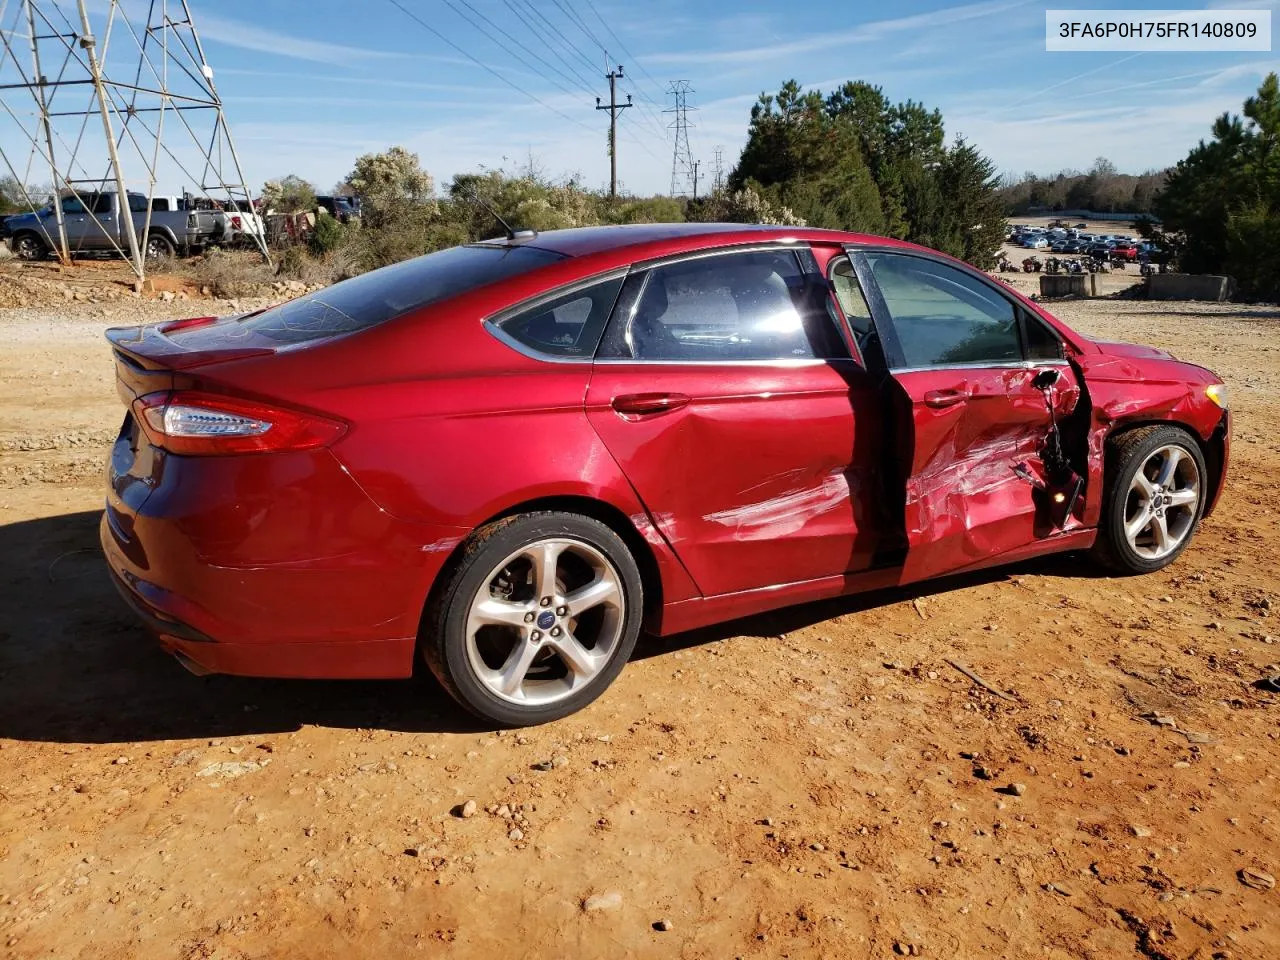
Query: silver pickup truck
x=94, y=225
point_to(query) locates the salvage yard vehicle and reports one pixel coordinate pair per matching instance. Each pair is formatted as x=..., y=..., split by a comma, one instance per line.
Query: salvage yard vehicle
x=506, y=458
x=93, y=225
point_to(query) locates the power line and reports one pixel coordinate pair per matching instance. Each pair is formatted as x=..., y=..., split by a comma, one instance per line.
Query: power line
x=484, y=66
x=514, y=86
x=576, y=18
x=542, y=75
x=549, y=40
x=550, y=34
x=622, y=46
x=518, y=43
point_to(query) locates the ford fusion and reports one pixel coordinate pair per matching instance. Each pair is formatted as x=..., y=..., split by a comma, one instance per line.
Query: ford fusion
x=507, y=458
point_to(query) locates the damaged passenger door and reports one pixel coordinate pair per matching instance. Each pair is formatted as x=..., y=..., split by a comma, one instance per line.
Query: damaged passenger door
x=970, y=406
x=727, y=394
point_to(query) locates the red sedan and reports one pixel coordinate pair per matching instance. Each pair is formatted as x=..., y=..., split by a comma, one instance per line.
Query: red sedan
x=508, y=457
x=1124, y=250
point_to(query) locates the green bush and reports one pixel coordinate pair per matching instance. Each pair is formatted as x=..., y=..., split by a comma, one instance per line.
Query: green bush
x=327, y=236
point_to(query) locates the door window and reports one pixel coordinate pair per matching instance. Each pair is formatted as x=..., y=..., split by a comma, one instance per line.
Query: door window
x=755, y=305
x=943, y=316
x=71, y=206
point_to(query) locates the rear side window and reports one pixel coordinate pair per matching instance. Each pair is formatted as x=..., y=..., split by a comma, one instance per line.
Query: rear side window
x=371, y=298
x=566, y=325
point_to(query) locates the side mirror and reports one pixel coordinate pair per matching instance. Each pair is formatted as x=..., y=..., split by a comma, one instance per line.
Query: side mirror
x=1045, y=379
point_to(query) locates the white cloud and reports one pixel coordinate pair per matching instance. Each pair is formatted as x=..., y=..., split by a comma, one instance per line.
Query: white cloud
x=827, y=39
x=247, y=36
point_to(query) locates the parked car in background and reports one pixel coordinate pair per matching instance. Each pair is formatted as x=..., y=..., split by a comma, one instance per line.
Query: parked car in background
x=1067, y=246
x=1082, y=226
x=93, y=225
x=346, y=208
x=1036, y=241
x=1099, y=249
x=244, y=223
x=1124, y=250
x=503, y=459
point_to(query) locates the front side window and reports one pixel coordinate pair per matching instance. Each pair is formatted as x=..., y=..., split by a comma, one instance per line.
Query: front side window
x=568, y=325
x=942, y=315
x=72, y=206
x=754, y=305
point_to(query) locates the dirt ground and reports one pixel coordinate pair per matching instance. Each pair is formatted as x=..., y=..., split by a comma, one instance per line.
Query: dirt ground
x=820, y=782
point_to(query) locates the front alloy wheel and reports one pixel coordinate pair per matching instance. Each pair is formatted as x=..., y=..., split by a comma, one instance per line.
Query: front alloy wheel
x=1163, y=498
x=1156, y=488
x=535, y=618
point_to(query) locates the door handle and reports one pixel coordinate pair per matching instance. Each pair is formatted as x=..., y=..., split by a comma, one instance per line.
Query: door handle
x=645, y=403
x=944, y=398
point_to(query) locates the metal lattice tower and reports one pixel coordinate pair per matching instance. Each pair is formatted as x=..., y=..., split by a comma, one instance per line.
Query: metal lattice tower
x=718, y=170
x=682, y=156
x=126, y=108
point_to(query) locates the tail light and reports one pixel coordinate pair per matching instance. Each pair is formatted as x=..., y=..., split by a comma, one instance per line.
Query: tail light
x=176, y=325
x=197, y=424
x=235, y=223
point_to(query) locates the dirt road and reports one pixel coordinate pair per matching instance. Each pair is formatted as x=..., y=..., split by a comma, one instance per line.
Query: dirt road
x=817, y=783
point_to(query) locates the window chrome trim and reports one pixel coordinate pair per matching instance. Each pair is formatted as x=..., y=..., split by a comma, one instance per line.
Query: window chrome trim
x=754, y=246
x=985, y=365
x=492, y=322
x=719, y=364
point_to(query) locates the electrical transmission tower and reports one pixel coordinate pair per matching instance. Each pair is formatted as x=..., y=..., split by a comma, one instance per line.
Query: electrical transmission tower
x=717, y=182
x=681, y=156
x=124, y=102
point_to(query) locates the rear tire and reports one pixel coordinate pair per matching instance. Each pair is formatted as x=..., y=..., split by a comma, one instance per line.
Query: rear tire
x=158, y=247
x=1155, y=492
x=536, y=619
x=28, y=246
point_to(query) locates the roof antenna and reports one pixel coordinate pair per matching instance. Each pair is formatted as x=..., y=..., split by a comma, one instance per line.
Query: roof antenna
x=511, y=232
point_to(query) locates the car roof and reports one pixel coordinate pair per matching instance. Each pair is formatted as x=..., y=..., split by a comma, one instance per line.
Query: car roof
x=674, y=237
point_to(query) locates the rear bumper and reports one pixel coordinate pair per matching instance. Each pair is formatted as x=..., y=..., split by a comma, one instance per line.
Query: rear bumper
x=272, y=566
x=380, y=658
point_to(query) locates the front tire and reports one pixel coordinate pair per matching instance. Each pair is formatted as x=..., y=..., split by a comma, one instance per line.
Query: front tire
x=1155, y=492
x=537, y=618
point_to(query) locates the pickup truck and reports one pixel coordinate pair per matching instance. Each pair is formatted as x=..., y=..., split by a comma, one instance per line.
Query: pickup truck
x=93, y=225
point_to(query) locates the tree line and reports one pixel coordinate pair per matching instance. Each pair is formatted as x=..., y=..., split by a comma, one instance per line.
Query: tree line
x=1102, y=189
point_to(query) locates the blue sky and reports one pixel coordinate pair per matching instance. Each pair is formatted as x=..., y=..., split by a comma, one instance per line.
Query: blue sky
x=310, y=85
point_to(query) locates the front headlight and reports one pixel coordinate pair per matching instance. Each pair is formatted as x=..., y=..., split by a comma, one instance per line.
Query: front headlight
x=1217, y=392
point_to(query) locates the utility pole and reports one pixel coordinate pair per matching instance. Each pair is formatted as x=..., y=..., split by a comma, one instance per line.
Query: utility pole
x=614, y=107
x=696, y=164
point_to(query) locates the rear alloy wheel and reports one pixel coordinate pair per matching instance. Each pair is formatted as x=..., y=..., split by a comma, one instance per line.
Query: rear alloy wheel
x=1154, y=499
x=537, y=620
x=158, y=248
x=30, y=247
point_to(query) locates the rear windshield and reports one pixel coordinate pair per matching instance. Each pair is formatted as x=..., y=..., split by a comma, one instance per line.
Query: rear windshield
x=371, y=298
